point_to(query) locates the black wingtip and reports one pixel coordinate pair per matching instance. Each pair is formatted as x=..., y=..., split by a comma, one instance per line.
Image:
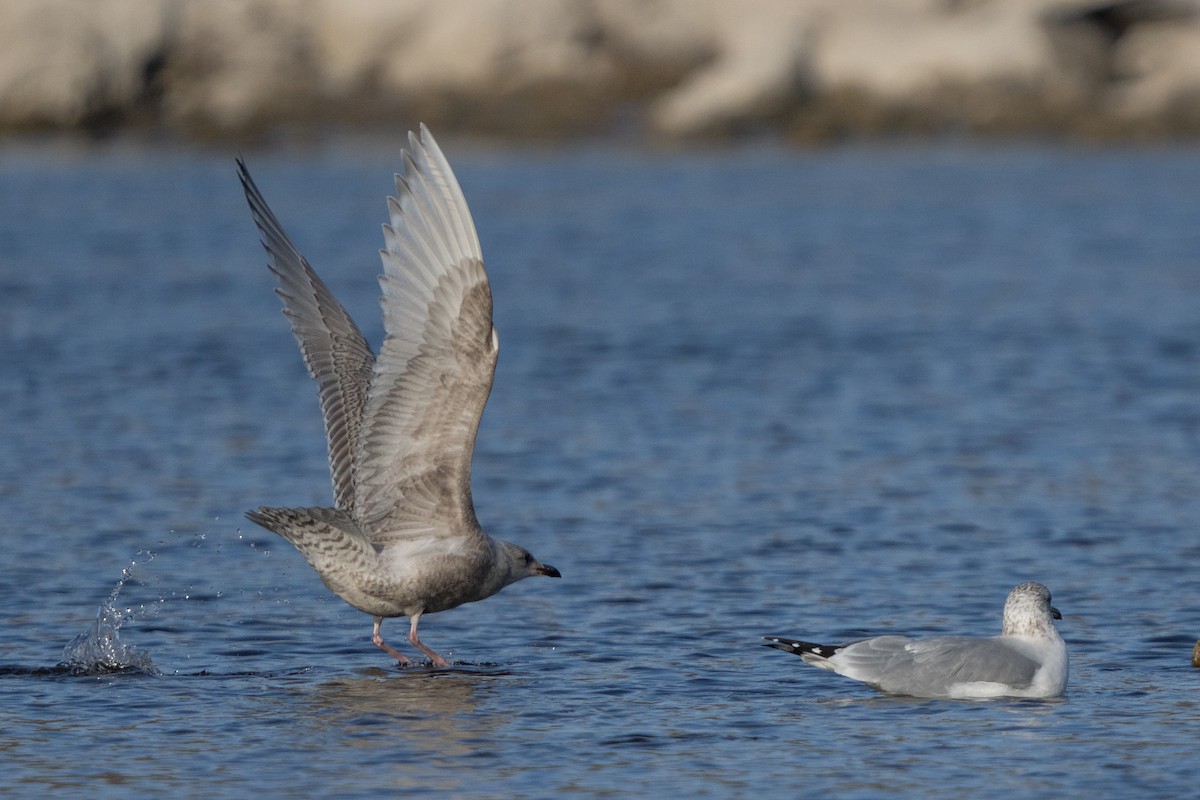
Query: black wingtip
x=797, y=647
x=777, y=643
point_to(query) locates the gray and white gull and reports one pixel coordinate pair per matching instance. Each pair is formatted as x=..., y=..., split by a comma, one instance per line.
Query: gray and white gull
x=1027, y=659
x=403, y=539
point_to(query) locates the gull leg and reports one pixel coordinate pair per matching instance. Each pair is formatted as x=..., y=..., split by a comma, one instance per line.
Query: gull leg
x=387, y=648
x=437, y=660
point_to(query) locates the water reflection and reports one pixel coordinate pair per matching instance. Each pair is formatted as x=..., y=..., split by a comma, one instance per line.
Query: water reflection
x=433, y=712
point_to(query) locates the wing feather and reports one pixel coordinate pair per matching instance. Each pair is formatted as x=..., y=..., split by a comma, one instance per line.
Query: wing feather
x=434, y=371
x=334, y=350
x=928, y=666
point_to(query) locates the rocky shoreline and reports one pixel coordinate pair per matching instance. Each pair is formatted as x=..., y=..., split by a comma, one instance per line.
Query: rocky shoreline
x=810, y=71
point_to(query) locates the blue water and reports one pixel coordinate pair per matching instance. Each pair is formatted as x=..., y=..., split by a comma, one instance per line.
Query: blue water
x=741, y=392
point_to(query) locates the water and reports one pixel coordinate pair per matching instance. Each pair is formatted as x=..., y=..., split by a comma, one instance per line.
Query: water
x=100, y=649
x=821, y=395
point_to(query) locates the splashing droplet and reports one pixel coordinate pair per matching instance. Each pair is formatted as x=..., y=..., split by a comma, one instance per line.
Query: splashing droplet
x=99, y=649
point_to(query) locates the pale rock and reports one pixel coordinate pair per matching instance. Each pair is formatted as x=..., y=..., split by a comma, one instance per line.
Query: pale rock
x=238, y=62
x=481, y=45
x=650, y=32
x=1158, y=65
x=692, y=66
x=895, y=50
x=759, y=69
x=351, y=38
x=62, y=61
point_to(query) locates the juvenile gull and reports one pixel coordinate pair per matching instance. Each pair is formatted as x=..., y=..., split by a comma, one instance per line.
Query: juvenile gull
x=1027, y=659
x=403, y=539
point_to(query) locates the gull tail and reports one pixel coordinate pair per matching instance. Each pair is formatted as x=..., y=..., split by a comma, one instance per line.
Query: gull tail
x=327, y=538
x=812, y=653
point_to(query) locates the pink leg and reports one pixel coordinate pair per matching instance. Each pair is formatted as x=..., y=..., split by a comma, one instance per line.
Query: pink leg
x=437, y=660
x=387, y=648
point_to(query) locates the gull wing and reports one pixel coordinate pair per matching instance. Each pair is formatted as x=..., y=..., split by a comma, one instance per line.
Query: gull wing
x=930, y=666
x=434, y=370
x=334, y=350
x=961, y=659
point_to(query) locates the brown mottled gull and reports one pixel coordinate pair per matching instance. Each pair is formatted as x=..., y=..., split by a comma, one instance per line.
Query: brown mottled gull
x=403, y=539
x=1027, y=659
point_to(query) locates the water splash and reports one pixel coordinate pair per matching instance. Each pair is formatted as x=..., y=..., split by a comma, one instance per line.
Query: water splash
x=99, y=649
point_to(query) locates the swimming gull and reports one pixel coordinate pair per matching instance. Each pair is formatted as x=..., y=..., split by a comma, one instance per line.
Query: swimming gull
x=1027, y=659
x=403, y=539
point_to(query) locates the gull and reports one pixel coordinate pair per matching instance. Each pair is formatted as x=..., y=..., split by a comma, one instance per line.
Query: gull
x=1027, y=659
x=402, y=539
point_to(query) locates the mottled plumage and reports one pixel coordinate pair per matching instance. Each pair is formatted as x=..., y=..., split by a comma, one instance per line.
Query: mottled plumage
x=403, y=539
x=1027, y=659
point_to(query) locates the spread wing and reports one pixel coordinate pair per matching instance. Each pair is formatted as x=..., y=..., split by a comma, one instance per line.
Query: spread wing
x=434, y=370
x=334, y=350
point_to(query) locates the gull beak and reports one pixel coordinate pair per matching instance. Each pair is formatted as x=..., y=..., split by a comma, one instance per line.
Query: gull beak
x=548, y=571
x=1054, y=612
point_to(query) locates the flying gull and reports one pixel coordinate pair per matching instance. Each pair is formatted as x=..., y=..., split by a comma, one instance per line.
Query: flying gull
x=1027, y=659
x=403, y=539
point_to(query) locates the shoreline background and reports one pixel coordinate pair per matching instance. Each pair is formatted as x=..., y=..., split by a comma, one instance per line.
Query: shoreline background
x=670, y=70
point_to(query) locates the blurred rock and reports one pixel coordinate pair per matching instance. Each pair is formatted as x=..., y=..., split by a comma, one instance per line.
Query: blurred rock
x=1157, y=67
x=236, y=64
x=67, y=63
x=758, y=67
x=675, y=68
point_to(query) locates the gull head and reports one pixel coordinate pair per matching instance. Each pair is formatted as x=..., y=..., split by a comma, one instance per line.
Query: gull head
x=521, y=563
x=1028, y=612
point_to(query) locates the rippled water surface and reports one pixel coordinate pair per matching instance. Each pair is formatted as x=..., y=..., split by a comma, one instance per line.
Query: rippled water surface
x=749, y=392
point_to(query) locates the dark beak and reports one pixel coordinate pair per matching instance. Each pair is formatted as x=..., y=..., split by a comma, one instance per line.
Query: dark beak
x=549, y=571
x=1054, y=612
